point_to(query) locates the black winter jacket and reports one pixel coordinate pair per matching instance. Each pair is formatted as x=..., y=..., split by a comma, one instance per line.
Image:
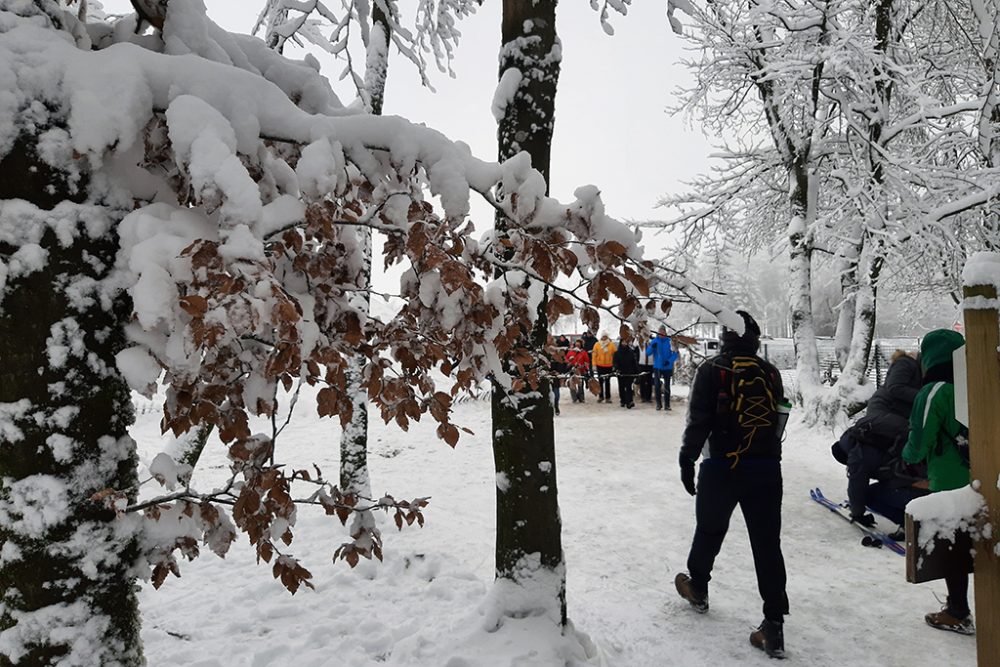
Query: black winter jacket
x=705, y=423
x=627, y=360
x=896, y=395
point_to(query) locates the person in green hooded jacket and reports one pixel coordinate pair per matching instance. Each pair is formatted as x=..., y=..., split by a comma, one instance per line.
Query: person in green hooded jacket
x=934, y=437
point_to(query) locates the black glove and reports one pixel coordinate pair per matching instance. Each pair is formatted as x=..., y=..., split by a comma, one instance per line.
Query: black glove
x=866, y=520
x=687, y=476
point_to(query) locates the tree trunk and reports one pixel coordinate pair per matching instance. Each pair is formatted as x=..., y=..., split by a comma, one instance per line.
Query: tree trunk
x=989, y=117
x=354, y=475
x=529, y=552
x=66, y=561
x=866, y=249
x=848, y=268
x=800, y=268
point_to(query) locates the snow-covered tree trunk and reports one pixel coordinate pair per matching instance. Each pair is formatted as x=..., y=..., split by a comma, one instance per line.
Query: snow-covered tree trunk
x=67, y=593
x=987, y=16
x=865, y=253
x=354, y=474
x=847, y=265
x=529, y=554
x=800, y=251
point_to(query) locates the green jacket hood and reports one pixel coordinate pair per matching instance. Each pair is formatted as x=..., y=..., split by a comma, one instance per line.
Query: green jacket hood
x=937, y=346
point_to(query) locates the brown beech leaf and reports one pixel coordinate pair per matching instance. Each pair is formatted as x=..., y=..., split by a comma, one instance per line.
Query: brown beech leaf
x=641, y=284
x=326, y=402
x=448, y=433
x=558, y=306
x=194, y=305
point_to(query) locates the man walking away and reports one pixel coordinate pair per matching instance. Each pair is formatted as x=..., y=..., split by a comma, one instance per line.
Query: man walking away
x=734, y=406
x=661, y=351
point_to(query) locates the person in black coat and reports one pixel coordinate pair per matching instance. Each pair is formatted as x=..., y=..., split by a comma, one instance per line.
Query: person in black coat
x=742, y=467
x=560, y=369
x=626, y=360
x=872, y=447
x=589, y=341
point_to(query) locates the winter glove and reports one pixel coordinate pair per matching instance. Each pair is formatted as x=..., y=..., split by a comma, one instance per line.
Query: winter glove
x=687, y=475
x=866, y=520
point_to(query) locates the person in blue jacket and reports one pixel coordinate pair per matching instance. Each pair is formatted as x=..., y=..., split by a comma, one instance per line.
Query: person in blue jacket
x=663, y=354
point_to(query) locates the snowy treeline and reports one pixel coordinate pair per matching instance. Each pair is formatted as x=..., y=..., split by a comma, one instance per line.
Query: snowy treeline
x=861, y=135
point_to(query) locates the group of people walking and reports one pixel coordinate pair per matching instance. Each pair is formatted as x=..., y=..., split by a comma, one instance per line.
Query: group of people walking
x=649, y=366
x=909, y=442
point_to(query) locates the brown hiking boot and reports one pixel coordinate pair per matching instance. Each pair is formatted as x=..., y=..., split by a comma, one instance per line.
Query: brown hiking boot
x=943, y=620
x=699, y=601
x=769, y=637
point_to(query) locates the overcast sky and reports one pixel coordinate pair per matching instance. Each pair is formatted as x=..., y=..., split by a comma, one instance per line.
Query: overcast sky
x=611, y=130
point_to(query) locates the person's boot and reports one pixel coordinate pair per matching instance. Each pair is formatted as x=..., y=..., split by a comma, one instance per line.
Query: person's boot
x=945, y=620
x=769, y=637
x=685, y=588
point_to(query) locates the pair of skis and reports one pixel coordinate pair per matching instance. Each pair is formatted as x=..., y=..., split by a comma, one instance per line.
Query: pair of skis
x=872, y=537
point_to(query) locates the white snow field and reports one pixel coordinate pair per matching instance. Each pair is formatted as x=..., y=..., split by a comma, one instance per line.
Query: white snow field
x=627, y=525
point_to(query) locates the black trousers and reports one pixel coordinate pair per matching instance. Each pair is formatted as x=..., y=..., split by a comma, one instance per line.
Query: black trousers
x=604, y=380
x=646, y=382
x=661, y=383
x=754, y=485
x=958, y=594
x=626, y=391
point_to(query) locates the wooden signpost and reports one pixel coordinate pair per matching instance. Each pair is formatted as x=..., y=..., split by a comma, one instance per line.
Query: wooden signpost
x=983, y=366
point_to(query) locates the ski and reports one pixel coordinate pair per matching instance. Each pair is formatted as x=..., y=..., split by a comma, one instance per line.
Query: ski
x=874, y=537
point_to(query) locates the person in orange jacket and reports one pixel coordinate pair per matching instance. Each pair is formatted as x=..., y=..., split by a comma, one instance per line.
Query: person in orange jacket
x=603, y=359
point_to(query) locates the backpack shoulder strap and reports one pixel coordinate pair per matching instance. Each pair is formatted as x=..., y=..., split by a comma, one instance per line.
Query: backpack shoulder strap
x=927, y=405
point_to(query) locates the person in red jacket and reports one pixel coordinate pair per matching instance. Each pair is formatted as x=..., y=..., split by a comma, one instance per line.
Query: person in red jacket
x=579, y=363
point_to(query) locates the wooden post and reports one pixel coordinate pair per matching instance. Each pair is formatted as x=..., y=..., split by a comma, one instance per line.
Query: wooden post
x=982, y=340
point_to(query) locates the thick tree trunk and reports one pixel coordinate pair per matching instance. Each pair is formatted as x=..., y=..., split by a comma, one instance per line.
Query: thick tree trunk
x=848, y=267
x=529, y=530
x=66, y=563
x=800, y=268
x=867, y=250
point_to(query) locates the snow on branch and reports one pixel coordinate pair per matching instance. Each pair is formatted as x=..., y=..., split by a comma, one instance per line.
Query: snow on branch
x=247, y=182
x=336, y=25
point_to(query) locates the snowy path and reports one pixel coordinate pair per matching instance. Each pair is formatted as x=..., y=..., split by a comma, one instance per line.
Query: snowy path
x=627, y=527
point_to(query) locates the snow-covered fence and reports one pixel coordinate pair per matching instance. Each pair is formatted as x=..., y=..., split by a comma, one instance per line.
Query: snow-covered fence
x=981, y=278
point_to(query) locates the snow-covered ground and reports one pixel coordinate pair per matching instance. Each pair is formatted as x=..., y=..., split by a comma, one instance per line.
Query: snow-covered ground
x=627, y=525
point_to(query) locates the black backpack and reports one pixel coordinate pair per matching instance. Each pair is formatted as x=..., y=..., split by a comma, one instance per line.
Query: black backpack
x=748, y=404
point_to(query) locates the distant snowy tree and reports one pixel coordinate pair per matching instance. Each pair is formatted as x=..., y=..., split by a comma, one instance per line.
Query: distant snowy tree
x=340, y=26
x=178, y=206
x=866, y=160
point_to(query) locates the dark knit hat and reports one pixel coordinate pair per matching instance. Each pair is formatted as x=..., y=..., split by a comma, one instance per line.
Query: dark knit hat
x=751, y=330
x=937, y=346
